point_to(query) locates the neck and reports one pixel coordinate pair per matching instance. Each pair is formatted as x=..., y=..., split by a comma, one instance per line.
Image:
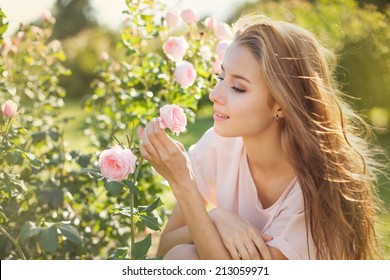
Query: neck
x=265, y=155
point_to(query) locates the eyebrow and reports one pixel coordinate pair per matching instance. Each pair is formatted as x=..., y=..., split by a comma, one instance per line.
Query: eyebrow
x=236, y=76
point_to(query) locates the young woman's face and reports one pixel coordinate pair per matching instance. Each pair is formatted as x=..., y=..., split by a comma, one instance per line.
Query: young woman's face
x=241, y=97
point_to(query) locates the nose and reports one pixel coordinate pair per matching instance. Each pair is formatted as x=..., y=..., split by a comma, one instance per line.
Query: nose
x=216, y=95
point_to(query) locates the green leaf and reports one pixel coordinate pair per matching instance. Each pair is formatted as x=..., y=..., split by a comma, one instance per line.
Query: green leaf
x=71, y=232
x=153, y=206
x=115, y=188
x=93, y=173
x=150, y=222
x=29, y=230
x=49, y=239
x=56, y=198
x=54, y=135
x=14, y=157
x=33, y=160
x=131, y=186
x=119, y=254
x=3, y=28
x=18, y=185
x=38, y=137
x=84, y=160
x=125, y=211
x=141, y=248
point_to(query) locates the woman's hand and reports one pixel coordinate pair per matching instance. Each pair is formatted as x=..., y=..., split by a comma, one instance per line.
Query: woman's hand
x=240, y=237
x=166, y=155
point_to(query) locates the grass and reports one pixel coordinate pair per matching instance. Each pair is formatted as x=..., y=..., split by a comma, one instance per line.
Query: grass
x=77, y=140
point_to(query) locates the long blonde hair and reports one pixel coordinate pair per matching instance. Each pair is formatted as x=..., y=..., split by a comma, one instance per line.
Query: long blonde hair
x=321, y=136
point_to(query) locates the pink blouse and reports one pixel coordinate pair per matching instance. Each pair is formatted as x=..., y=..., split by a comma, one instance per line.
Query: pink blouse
x=223, y=177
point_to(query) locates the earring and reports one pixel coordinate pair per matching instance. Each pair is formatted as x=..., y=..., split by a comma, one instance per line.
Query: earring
x=277, y=117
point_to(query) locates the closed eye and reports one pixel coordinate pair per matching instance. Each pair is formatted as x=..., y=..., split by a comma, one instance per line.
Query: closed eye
x=239, y=90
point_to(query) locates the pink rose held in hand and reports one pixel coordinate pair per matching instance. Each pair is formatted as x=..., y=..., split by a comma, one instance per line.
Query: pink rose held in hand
x=117, y=163
x=172, y=117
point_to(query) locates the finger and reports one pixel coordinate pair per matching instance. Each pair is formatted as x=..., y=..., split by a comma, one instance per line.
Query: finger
x=262, y=248
x=243, y=251
x=157, y=132
x=233, y=251
x=252, y=251
x=266, y=237
x=144, y=153
x=147, y=146
x=151, y=139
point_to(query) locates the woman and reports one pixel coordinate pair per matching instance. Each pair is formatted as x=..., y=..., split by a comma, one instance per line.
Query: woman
x=284, y=168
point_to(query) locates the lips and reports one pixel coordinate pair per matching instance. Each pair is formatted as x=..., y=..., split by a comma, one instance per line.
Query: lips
x=222, y=116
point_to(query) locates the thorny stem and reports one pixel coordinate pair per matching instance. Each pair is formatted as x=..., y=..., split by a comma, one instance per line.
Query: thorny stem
x=132, y=224
x=16, y=243
x=5, y=132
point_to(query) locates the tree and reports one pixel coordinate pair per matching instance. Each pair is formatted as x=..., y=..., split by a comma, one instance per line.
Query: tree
x=72, y=16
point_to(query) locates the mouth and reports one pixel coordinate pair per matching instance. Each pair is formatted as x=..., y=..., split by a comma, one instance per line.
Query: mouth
x=222, y=116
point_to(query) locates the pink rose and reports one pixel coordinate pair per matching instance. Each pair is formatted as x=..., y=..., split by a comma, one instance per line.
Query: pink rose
x=8, y=47
x=223, y=32
x=117, y=163
x=185, y=74
x=9, y=108
x=205, y=52
x=55, y=45
x=173, y=17
x=172, y=117
x=47, y=17
x=210, y=22
x=175, y=48
x=104, y=56
x=189, y=16
x=221, y=47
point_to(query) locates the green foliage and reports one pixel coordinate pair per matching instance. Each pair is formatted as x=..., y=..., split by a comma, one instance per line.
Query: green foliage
x=3, y=25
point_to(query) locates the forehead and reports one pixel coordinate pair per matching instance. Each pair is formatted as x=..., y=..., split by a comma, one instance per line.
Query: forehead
x=239, y=59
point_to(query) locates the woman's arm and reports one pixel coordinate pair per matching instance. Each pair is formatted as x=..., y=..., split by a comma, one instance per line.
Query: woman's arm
x=241, y=238
x=170, y=159
x=175, y=232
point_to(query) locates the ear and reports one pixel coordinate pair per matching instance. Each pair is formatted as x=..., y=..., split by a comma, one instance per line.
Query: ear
x=278, y=111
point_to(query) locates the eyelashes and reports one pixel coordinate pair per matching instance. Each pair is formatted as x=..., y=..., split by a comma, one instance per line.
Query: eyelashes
x=239, y=90
x=219, y=78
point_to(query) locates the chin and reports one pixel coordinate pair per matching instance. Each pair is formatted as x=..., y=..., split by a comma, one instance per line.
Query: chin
x=224, y=132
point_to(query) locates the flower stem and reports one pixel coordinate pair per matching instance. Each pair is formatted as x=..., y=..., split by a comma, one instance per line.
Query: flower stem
x=15, y=242
x=5, y=131
x=132, y=235
x=132, y=225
